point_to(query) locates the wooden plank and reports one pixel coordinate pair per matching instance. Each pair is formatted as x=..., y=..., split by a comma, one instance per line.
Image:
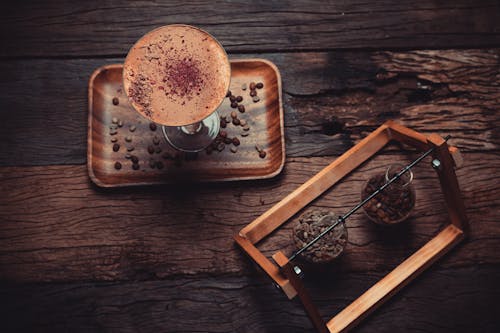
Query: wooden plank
x=315, y=186
x=442, y=300
x=395, y=280
x=93, y=28
x=340, y=98
x=56, y=226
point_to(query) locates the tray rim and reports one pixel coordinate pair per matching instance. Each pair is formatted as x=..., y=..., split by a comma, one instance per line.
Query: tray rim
x=90, y=145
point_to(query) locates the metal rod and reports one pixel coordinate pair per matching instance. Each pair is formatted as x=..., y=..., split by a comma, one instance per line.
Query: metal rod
x=342, y=219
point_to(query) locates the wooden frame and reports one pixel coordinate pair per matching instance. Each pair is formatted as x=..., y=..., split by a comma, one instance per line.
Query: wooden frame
x=284, y=275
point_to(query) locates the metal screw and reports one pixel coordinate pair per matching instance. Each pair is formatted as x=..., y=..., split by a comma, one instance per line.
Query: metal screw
x=298, y=271
x=436, y=164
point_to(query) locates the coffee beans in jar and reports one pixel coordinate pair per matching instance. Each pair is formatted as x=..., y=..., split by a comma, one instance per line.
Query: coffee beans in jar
x=395, y=203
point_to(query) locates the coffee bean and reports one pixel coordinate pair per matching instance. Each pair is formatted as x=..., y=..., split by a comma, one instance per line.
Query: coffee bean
x=128, y=156
x=236, y=121
x=152, y=126
x=116, y=101
x=241, y=108
x=255, y=99
x=243, y=122
x=236, y=141
x=130, y=148
x=244, y=86
x=221, y=146
x=114, y=139
x=252, y=85
x=223, y=123
x=156, y=140
x=228, y=93
x=262, y=154
x=152, y=163
x=132, y=128
x=239, y=99
x=118, y=165
x=128, y=138
x=227, y=141
x=234, y=105
x=159, y=165
x=259, y=85
x=233, y=114
x=232, y=98
x=233, y=149
x=253, y=93
x=116, y=147
x=223, y=134
x=151, y=149
x=244, y=134
x=134, y=159
x=120, y=123
x=158, y=150
x=246, y=128
x=112, y=132
x=135, y=166
x=114, y=120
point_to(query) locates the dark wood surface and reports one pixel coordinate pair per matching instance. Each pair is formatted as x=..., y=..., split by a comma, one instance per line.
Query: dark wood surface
x=75, y=257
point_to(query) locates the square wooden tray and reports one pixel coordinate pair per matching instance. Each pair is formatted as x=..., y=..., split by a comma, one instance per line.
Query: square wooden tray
x=265, y=119
x=285, y=274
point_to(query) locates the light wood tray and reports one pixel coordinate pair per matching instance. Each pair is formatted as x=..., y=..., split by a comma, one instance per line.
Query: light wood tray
x=265, y=119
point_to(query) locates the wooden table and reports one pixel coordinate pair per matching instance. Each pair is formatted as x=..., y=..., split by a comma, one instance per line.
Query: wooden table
x=75, y=257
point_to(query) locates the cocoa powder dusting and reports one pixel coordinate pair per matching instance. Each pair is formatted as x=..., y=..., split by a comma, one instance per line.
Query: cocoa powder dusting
x=184, y=77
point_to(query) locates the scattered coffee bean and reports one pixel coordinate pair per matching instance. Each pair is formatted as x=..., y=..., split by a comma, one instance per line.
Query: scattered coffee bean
x=244, y=134
x=223, y=134
x=128, y=138
x=120, y=123
x=259, y=85
x=152, y=163
x=159, y=165
x=221, y=146
x=243, y=122
x=132, y=128
x=232, y=98
x=233, y=149
x=114, y=139
x=135, y=166
x=156, y=140
x=152, y=126
x=116, y=101
x=234, y=105
x=244, y=86
x=116, y=147
x=114, y=120
x=128, y=156
x=236, y=141
x=113, y=127
x=158, y=150
x=253, y=93
x=262, y=154
x=252, y=85
x=118, y=165
x=227, y=141
x=236, y=121
x=223, y=123
x=151, y=149
x=255, y=99
x=246, y=128
x=112, y=132
x=233, y=114
x=241, y=108
x=239, y=99
x=134, y=159
x=130, y=148
x=223, y=117
x=228, y=93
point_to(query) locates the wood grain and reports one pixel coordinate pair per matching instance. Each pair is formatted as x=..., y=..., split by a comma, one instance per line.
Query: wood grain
x=56, y=226
x=442, y=300
x=330, y=100
x=94, y=28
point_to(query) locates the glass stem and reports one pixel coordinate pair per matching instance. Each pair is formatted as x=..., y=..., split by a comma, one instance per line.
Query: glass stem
x=192, y=128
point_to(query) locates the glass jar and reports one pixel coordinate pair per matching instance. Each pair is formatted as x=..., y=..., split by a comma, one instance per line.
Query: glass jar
x=396, y=202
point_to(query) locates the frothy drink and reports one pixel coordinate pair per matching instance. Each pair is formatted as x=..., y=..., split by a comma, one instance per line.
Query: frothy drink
x=176, y=75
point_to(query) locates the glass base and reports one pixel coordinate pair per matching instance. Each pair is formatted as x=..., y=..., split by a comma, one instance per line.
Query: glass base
x=195, y=137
